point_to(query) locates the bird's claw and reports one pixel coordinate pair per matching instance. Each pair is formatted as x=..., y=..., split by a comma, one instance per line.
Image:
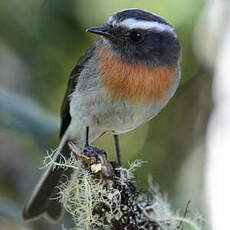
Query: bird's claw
x=94, y=158
x=92, y=150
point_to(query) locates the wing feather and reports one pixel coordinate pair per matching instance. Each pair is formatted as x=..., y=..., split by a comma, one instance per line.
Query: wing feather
x=73, y=80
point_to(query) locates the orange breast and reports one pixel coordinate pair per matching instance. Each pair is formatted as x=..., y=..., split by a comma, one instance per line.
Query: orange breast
x=135, y=83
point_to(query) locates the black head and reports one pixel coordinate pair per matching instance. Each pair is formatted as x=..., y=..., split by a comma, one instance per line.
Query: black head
x=137, y=36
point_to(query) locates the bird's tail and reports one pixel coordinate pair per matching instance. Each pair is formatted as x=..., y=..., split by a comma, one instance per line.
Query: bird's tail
x=43, y=201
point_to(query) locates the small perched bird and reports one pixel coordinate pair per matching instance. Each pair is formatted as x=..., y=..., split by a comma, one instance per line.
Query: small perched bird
x=124, y=80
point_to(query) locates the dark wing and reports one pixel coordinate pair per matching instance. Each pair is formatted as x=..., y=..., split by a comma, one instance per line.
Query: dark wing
x=65, y=114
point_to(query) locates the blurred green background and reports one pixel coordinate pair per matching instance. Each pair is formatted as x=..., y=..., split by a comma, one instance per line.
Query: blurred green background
x=40, y=42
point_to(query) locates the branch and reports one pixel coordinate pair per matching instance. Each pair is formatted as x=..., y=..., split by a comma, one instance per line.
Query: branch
x=96, y=201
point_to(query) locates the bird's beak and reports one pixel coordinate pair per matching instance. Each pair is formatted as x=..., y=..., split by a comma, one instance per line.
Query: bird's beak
x=103, y=31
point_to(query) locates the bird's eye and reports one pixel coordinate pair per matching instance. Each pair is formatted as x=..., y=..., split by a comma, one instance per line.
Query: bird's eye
x=135, y=36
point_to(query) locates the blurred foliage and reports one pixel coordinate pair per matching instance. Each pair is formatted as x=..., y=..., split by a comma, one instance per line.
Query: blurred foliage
x=40, y=42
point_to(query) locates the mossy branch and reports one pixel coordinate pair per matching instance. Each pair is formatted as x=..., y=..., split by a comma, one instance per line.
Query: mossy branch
x=97, y=202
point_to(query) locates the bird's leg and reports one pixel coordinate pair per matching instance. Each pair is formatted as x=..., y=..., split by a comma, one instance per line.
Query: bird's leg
x=89, y=152
x=93, y=157
x=87, y=136
x=117, y=148
x=89, y=149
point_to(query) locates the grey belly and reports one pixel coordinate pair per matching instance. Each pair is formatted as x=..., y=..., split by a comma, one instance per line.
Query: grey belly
x=99, y=113
x=122, y=117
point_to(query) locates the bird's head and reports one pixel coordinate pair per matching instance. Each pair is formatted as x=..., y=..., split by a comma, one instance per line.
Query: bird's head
x=140, y=37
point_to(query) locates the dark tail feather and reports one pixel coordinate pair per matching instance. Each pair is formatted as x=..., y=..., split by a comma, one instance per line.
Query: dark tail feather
x=44, y=200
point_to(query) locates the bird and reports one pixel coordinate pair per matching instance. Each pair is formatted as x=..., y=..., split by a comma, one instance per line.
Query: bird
x=121, y=82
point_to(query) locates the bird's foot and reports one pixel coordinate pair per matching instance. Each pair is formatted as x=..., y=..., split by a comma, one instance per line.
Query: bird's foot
x=94, y=158
x=92, y=150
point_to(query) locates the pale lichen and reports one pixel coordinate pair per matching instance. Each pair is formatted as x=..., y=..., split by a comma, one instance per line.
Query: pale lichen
x=113, y=204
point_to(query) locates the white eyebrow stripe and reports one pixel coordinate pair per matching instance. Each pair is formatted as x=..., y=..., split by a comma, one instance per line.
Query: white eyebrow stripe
x=132, y=23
